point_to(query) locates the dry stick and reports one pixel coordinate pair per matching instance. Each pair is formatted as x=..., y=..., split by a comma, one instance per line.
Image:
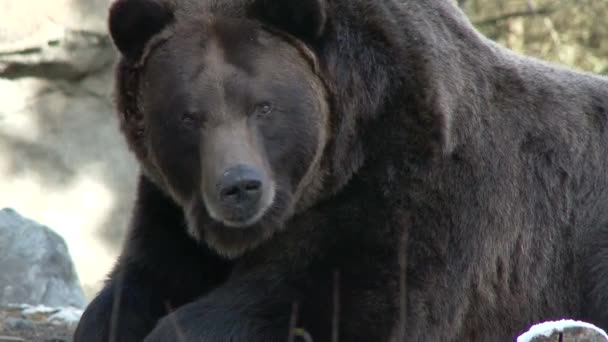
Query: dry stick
x=292, y=322
x=304, y=335
x=178, y=331
x=402, y=304
x=115, y=305
x=335, y=331
x=517, y=14
x=402, y=288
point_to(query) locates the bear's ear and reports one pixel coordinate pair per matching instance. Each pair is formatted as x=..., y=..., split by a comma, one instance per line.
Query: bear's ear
x=133, y=22
x=305, y=19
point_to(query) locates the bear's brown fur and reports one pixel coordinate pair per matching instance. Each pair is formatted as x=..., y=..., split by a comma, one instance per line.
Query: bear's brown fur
x=398, y=177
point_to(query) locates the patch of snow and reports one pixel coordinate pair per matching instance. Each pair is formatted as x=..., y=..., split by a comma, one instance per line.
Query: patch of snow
x=549, y=327
x=68, y=315
x=29, y=310
x=60, y=315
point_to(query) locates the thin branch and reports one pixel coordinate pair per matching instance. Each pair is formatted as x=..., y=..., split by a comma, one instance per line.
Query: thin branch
x=114, y=319
x=293, y=320
x=335, y=331
x=401, y=328
x=303, y=334
x=517, y=14
x=178, y=330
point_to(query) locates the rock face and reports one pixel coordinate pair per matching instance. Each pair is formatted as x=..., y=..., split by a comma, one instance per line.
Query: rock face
x=63, y=161
x=36, y=266
x=62, y=39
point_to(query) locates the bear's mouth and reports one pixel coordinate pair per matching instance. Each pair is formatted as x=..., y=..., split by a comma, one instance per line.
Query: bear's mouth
x=240, y=221
x=231, y=237
x=239, y=195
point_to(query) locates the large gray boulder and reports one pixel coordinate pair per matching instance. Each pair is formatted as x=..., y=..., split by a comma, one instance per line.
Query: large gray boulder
x=35, y=266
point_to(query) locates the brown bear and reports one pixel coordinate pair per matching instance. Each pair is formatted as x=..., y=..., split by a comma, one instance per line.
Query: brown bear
x=359, y=170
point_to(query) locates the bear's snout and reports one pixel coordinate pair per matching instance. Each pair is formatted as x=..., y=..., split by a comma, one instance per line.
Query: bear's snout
x=237, y=187
x=240, y=190
x=242, y=195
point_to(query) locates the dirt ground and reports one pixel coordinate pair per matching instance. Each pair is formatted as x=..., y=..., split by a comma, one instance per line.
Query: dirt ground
x=16, y=327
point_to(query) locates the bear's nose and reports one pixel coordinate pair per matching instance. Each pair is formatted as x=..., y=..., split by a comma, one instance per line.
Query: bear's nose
x=240, y=190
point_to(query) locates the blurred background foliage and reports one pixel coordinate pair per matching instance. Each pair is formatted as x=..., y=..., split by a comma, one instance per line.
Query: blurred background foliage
x=568, y=32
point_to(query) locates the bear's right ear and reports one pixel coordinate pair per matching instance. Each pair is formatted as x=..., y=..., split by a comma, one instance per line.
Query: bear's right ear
x=133, y=22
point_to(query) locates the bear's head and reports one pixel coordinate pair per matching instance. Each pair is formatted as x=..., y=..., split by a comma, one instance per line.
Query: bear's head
x=228, y=114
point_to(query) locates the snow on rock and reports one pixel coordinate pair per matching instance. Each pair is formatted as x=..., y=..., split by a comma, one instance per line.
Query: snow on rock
x=29, y=310
x=60, y=315
x=68, y=315
x=548, y=328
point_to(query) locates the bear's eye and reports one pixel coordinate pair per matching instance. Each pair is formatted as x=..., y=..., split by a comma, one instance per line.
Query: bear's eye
x=263, y=109
x=188, y=119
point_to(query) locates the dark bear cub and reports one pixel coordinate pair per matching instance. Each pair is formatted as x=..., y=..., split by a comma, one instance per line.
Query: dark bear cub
x=363, y=170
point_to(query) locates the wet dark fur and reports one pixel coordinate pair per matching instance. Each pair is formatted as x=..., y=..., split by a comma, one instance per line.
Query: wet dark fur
x=481, y=173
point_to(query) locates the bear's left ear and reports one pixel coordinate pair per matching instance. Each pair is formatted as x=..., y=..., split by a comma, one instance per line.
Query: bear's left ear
x=305, y=19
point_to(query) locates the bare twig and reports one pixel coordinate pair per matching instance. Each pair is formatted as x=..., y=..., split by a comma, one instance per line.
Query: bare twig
x=293, y=320
x=531, y=6
x=516, y=14
x=335, y=331
x=303, y=334
x=116, y=305
x=553, y=32
x=401, y=328
x=178, y=330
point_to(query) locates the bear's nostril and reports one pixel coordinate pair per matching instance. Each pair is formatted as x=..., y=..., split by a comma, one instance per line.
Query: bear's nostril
x=252, y=185
x=232, y=191
x=240, y=191
x=241, y=188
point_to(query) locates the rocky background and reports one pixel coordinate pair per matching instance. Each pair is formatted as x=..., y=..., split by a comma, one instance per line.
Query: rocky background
x=41, y=298
x=62, y=160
